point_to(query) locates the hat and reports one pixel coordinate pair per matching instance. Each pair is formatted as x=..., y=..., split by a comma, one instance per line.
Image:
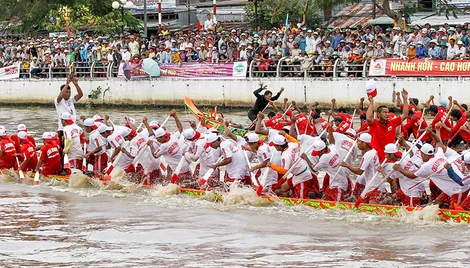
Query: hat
x=97, y=118
x=67, y=117
x=212, y=137
x=89, y=122
x=391, y=148
x=103, y=128
x=160, y=133
x=367, y=138
x=351, y=132
x=338, y=119
x=342, y=41
x=252, y=137
x=2, y=131
x=22, y=127
x=154, y=124
x=459, y=42
x=48, y=136
x=191, y=134
x=443, y=44
x=278, y=140
x=433, y=41
x=318, y=145
x=22, y=135
x=427, y=149
x=466, y=158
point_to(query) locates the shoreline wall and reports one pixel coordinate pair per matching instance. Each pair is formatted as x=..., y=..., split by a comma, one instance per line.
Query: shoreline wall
x=233, y=93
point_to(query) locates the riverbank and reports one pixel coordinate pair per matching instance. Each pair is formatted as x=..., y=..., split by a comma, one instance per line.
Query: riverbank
x=229, y=93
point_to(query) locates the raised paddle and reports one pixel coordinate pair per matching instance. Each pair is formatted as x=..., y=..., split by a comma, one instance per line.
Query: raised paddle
x=36, y=178
x=254, y=180
x=19, y=170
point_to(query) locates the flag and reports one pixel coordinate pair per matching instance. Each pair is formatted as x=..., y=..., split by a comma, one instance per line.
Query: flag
x=287, y=22
x=199, y=25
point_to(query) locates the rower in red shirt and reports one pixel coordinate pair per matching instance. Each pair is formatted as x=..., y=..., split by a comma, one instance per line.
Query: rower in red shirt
x=276, y=121
x=15, y=139
x=460, y=119
x=383, y=129
x=415, y=123
x=341, y=125
x=28, y=151
x=440, y=116
x=7, y=150
x=49, y=158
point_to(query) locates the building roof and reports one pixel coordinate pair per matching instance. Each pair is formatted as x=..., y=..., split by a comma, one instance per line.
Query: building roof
x=354, y=15
x=436, y=20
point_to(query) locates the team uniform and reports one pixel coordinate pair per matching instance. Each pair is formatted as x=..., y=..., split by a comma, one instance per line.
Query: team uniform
x=29, y=151
x=50, y=158
x=369, y=164
x=8, y=159
x=75, y=154
x=101, y=157
x=330, y=162
x=452, y=193
x=383, y=134
x=237, y=169
x=302, y=182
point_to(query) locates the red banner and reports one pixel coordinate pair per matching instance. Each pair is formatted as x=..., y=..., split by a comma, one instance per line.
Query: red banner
x=419, y=67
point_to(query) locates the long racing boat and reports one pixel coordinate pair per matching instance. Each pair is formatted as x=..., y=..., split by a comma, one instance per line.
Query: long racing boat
x=446, y=215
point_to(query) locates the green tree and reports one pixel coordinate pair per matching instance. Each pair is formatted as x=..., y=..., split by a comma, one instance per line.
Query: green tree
x=55, y=15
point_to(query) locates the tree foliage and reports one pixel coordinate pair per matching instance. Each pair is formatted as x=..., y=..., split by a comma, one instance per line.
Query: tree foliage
x=273, y=12
x=56, y=15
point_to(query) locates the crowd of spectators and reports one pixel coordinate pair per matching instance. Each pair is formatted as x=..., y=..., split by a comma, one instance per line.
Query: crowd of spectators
x=308, y=49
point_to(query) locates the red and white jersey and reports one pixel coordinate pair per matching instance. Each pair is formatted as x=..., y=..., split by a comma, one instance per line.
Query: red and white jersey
x=148, y=162
x=369, y=164
x=208, y=158
x=264, y=153
x=435, y=168
x=330, y=163
x=173, y=150
x=300, y=171
x=456, y=158
x=97, y=141
x=405, y=182
x=116, y=140
x=50, y=158
x=74, y=133
x=343, y=144
x=277, y=155
x=240, y=142
x=238, y=168
x=91, y=146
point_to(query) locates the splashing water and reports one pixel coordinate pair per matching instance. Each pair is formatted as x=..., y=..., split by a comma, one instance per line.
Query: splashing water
x=170, y=189
x=239, y=194
x=79, y=180
x=429, y=213
x=7, y=178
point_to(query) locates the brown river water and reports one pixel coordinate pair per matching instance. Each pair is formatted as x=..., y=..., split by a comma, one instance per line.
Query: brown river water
x=58, y=226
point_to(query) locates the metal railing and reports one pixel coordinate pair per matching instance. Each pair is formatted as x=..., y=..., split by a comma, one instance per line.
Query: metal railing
x=286, y=67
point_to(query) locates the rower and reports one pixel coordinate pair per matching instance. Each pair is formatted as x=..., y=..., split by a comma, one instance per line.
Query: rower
x=366, y=169
x=434, y=167
x=49, y=156
x=329, y=160
x=172, y=148
x=304, y=184
x=232, y=158
x=73, y=135
x=409, y=197
x=147, y=168
x=7, y=150
x=97, y=148
x=263, y=153
x=28, y=151
x=459, y=130
x=383, y=129
x=462, y=181
x=15, y=139
x=207, y=156
x=441, y=118
x=416, y=122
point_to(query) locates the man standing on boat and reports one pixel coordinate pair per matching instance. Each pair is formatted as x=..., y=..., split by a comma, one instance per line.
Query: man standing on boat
x=383, y=129
x=65, y=104
x=73, y=137
x=262, y=101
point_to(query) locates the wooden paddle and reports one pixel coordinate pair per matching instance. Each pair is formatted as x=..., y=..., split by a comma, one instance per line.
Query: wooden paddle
x=84, y=163
x=19, y=170
x=254, y=180
x=206, y=176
